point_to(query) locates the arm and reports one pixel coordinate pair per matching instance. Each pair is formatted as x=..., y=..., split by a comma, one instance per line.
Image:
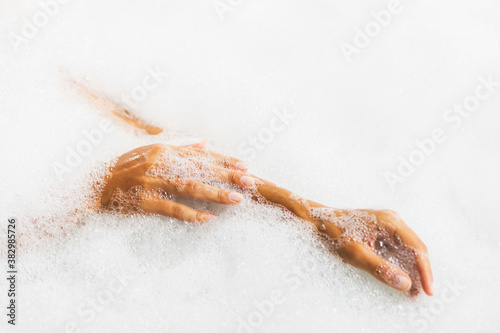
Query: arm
x=363, y=238
x=145, y=179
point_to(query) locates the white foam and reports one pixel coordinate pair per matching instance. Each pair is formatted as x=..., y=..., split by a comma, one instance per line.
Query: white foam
x=226, y=80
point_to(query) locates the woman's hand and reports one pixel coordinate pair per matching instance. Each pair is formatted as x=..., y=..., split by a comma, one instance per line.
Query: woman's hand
x=144, y=180
x=380, y=243
x=376, y=241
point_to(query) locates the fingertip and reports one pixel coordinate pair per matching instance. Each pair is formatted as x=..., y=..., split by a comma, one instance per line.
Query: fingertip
x=394, y=276
x=247, y=180
x=235, y=197
x=424, y=268
x=242, y=166
x=201, y=145
x=428, y=288
x=210, y=217
x=401, y=282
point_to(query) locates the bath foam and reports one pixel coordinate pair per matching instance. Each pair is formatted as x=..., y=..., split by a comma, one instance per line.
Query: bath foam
x=179, y=276
x=174, y=164
x=198, y=165
x=226, y=79
x=63, y=207
x=169, y=273
x=142, y=266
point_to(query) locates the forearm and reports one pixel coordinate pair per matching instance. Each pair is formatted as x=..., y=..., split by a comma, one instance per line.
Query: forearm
x=298, y=206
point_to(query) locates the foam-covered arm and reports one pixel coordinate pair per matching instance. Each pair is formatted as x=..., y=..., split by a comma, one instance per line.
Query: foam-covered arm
x=295, y=204
x=376, y=241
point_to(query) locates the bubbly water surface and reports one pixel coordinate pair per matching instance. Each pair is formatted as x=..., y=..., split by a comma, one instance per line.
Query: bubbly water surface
x=268, y=84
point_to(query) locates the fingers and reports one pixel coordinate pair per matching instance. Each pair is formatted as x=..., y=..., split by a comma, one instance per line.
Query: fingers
x=198, y=145
x=424, y=268
x=196, y=190
x=235, y=177
x=409, y=238
x=401, y=231
x=229, y=162
x=361, y=257
x=221, y=160
x=176, y=210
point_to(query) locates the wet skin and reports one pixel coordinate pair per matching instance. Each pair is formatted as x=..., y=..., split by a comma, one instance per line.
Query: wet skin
x=130, y=171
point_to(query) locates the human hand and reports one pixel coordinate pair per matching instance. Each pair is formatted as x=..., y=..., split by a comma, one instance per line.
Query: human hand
x=145, y=179
x=380, y=243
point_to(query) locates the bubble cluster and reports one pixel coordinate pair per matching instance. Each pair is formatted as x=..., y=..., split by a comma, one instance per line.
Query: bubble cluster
x=185, y=164
x=357, y=225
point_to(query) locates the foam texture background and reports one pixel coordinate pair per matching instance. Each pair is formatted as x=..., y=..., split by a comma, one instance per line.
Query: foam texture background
x=227, y=80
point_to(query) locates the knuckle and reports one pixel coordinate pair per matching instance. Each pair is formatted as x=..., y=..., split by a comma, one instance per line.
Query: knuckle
x=200, y=216
x=194, y=186
x=179, y=211
x=221, y=196
x=234, y=176
x=231, y=162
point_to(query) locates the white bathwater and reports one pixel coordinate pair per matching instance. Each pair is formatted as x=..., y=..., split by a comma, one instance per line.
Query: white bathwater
x=268, y=83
